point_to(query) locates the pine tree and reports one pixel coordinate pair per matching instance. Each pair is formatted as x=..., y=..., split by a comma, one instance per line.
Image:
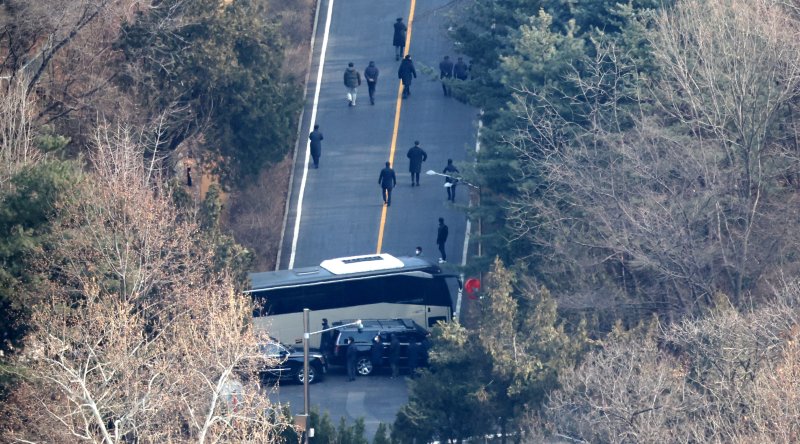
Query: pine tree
x=381, y=435
x=203, y=63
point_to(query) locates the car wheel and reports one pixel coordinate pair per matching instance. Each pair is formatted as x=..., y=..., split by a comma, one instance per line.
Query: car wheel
x=364, y=366
x=313, y=375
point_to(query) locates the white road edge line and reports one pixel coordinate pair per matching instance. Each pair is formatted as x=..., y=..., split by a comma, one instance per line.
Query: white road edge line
x=296, y=232
x=465, y=250
x=297, y=135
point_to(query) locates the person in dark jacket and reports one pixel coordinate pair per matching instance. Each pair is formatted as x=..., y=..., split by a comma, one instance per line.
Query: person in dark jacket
x=394, y=355
x=441, y=238
x=445, y=74
x=406, y=73
x=315, y=145
x=387, y=180
x=416, y=156
x=399, y=38
x=450, y=181
x=376, y=353
x=352, y=80
x=413, y=356
x=352, y=359
x=461, y=70
x=326, y=339
x=371, y=75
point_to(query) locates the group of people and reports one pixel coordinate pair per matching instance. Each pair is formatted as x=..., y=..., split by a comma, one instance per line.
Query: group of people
x=387, y=179
x=406, y=72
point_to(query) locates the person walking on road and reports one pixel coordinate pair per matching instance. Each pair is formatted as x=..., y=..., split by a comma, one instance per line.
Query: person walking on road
x=461, y=70
x=406, y=73
x=316, y=145
x=441, y=238
x=399, y=38
x=371, y=74
x=445, y=74
x=376, y=353
x=450, y=181
x=352, y=80
x=394, y=355
x=352, y=359
x=416, y=156
x=387, y=180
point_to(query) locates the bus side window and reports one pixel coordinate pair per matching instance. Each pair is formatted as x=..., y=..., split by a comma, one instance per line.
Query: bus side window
x=321, y=297
x=440, y=292
x=362, y=292
x=406, y=289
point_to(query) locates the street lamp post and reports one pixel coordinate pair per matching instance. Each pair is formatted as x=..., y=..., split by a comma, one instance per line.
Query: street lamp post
x=434, y=173
x=306, y=335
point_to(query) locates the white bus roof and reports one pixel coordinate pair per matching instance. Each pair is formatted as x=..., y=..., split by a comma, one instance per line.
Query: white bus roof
x=361, y=264
x=340, y=269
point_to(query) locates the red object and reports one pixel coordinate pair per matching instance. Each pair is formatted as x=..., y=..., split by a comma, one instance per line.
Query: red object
x=471, y=286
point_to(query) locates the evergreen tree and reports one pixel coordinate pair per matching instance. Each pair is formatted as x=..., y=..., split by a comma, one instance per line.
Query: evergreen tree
x=28, y=208
x=450, y=400
x=530, y=53
x=528, y=345
x=207, y=63
x=381, y=435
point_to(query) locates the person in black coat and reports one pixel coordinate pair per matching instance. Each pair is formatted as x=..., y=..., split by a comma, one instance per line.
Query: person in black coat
x=316, y=145
x=376, y=353
x=441, y=238
x=450, y=181
x=416, y=156
x=371, y=75
x=394, y=355
x=406, y=73
x=352, y=359
x=445, y=74
x=325, y=338
x=399, y=38
x=461, y=70
x=387, y=181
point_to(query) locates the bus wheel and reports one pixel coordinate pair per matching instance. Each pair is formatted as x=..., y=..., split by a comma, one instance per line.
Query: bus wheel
x=364, y=366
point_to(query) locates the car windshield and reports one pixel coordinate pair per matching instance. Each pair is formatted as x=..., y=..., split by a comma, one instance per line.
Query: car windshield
x=273, y=349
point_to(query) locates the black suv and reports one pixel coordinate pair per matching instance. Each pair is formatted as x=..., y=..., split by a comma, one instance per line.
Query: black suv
x=406, y=330
x=290, y=363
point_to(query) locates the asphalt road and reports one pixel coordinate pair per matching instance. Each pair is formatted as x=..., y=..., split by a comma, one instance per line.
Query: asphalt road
x=375, y=398
x=341, y=204
x=341, y=209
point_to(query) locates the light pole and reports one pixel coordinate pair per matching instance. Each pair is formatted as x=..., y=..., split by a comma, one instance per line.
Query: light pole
x=434, y=173
x=306, y=335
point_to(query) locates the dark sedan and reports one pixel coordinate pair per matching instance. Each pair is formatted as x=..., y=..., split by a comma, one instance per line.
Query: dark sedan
x=289, y=363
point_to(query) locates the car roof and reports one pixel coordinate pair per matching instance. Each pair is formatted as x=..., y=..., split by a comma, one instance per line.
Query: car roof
x=387, y=325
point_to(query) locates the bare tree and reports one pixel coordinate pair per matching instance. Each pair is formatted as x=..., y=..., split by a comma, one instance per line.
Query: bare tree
x=16, y=134
x=141, y=339
x=64, y=52
x=727, y=377
x=630, y=391
x=685, y=194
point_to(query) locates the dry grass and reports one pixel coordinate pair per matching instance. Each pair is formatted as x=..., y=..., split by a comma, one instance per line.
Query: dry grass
x=255, y=213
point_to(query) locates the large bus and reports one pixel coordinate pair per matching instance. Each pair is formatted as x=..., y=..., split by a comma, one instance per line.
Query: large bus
x=378, y=286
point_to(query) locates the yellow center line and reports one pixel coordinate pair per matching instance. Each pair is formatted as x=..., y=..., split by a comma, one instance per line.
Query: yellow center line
x=398, y=106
